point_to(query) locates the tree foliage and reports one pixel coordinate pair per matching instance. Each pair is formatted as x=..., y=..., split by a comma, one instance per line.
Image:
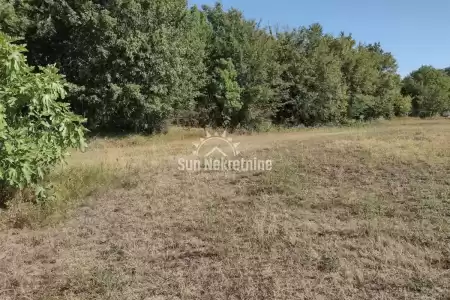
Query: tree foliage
x=13, y=17
x=35, y=128
x=130, y=63
x=328, y=79
x=312, y=89
x=241, y=70
x=429, y=89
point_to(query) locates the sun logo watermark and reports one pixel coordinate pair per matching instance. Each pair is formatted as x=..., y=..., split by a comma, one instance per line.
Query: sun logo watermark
x=210, y=139
x=218, y=152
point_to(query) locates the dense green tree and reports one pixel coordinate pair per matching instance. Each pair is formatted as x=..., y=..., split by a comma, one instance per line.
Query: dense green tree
x=242, y=71
x=13, y=17
x=130, y=62
x=374, y=85
x=429, y=89
x=312, y=89
x=328, y=79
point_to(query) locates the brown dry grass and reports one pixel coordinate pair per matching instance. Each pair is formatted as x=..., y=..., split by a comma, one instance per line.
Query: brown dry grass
x=347, y=213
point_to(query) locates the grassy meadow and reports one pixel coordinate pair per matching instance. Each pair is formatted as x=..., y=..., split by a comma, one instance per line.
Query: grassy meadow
x=346, y=213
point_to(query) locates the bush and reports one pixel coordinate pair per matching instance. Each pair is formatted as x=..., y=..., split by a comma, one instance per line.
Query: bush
x=35, y=129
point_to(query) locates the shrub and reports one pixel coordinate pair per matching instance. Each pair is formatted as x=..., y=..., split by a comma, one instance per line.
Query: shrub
x=35, y=129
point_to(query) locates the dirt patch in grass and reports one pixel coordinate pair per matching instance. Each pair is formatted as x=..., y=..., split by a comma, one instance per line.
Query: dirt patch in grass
x=345, y=214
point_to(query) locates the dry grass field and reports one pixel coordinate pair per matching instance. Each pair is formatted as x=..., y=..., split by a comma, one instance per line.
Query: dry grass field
x=346, y=213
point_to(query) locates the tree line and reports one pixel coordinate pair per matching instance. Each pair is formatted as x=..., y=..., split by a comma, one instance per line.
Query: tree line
x=137, y=65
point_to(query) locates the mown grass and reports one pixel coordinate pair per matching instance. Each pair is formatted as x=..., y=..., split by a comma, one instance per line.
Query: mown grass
x=346, y=213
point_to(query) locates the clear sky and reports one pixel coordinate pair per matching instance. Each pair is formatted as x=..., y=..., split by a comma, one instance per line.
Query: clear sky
x=417, y=32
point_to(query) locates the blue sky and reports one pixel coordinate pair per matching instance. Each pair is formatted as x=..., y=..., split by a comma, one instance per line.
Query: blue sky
x=417, y=32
